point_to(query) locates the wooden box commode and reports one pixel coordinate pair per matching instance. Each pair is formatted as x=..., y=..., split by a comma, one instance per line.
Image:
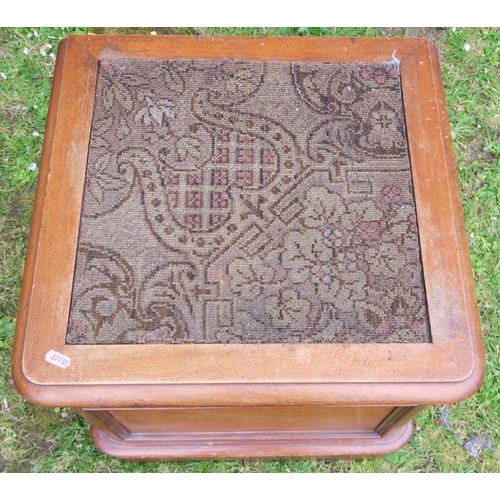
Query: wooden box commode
x=247, y=247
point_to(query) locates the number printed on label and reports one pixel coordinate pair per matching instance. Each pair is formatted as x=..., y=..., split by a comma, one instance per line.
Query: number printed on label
x=57, y=359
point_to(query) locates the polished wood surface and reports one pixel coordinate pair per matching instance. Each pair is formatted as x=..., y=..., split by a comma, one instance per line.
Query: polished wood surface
x=259, y=419
x=257, y=432
x=230, y=376
x=186, y=446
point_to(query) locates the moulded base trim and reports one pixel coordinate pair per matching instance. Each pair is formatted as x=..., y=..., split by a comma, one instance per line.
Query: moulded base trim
x=222, y=445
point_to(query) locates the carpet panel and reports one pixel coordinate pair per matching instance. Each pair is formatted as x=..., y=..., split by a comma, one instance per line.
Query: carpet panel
x=248, y=202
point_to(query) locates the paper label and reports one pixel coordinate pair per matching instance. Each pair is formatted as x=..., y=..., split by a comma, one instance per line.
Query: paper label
x=57, y=359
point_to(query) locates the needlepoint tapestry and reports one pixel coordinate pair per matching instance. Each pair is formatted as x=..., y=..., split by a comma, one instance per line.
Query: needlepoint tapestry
x=248, y=202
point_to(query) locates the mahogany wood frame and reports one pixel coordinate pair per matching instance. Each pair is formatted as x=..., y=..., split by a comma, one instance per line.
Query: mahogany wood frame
x=103, y=378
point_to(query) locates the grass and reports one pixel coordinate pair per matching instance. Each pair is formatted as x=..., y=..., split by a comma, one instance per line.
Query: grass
x=35, y=439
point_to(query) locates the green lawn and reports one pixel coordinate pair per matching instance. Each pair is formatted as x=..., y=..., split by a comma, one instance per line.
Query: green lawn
x=35, y=439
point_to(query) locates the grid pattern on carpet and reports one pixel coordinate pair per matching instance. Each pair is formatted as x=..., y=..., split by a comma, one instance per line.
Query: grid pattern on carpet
x=248, y=202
